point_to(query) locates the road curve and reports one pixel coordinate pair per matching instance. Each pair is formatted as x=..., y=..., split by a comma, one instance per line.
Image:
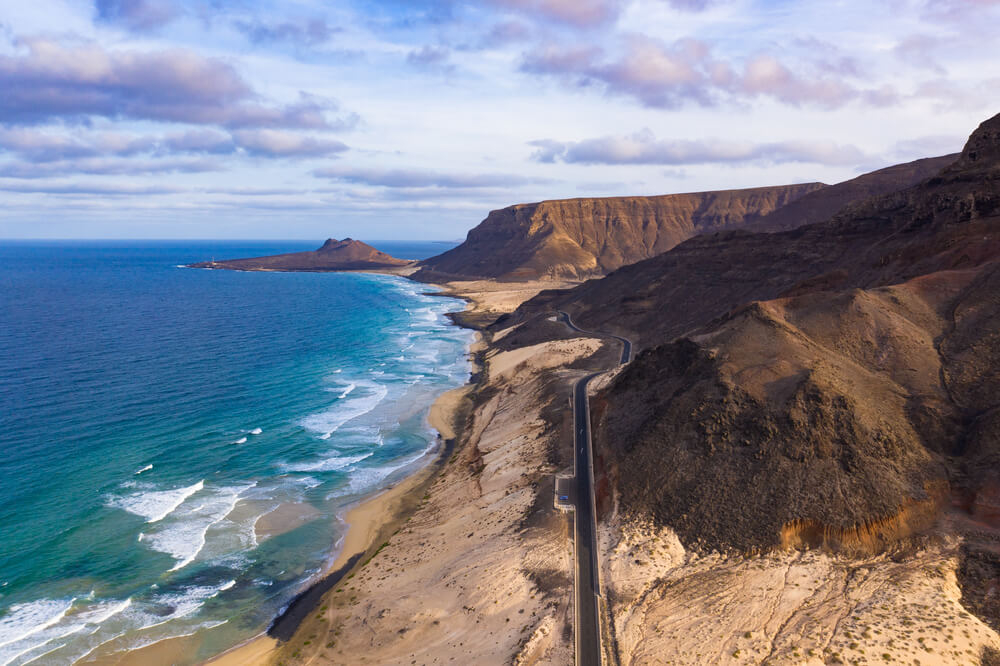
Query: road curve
x=626, y=343
x=588, y=584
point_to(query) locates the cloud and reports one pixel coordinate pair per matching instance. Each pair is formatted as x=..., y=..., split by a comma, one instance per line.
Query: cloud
x=950, y=95
x=256, y=191
x=53, y=81
x=644, y=148
x=413, y=178
x=277, y=143
x=136, y=15
x=105, y=167
x=579, y=13
x=87, y=189
x=916, y=51
x=765, y=75
x=311, y=32
x=428, y=57
x=929, y=146
x=199, y=141
x=690, y=5
x=959, y=10
x=43, y=147
x=685, y=72
x=45, y=152
x=507, y=32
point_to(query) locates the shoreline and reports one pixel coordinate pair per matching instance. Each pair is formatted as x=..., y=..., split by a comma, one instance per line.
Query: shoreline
x=370, y=522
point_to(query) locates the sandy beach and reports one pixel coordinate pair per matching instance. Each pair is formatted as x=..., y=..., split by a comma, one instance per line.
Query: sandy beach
x=368, y=525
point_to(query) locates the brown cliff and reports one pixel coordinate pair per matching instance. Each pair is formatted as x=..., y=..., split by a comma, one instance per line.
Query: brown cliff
x=823, y=204
x=581, y=238
x=334, y=255
x=817, y=386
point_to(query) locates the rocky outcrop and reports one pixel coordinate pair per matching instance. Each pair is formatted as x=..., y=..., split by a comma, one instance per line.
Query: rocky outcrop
x=582, y=238
x=334, y=255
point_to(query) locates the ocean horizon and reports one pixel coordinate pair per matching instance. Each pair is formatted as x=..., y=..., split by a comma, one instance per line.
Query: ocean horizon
x=179, y=444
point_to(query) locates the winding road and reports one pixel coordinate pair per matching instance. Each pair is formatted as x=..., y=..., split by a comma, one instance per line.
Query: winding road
x=588, y=584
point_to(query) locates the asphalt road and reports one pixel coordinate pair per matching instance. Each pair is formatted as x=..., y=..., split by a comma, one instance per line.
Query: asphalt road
x=588, y=585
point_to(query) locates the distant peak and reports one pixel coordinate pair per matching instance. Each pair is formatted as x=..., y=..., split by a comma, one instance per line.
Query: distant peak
x=332, y=243
x=982, y=150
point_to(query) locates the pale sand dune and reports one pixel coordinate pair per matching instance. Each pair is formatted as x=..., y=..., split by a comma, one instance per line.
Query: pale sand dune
x=673, y=607
x=541, y=356
x=490, y=296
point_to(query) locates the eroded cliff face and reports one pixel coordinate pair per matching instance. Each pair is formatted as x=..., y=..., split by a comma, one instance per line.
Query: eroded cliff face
x=582, y=238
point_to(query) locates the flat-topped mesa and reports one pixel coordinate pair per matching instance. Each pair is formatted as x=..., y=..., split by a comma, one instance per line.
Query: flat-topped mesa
x=333, y=255
x=583, y=238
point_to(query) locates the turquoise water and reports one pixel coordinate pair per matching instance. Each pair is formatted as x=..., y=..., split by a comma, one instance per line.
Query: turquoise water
x=152, y=417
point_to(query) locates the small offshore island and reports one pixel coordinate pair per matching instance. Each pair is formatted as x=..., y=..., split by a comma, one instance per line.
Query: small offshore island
x=334, y=255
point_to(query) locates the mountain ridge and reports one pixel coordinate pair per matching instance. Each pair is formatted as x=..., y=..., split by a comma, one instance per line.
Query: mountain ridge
x=830, y=385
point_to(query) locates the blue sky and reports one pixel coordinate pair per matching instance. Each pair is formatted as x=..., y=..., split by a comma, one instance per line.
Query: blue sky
x=391, y=119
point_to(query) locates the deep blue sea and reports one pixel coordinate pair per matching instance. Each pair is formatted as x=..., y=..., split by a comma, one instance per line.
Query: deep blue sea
x=176, y=445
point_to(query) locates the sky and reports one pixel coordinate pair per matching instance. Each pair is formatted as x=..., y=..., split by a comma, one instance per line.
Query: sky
x=392, y=119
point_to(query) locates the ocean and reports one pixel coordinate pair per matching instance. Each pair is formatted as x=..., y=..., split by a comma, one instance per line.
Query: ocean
x=176, y=445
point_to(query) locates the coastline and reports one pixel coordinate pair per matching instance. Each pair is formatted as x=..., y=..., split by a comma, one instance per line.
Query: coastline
x=470, y=558
x=368, y=523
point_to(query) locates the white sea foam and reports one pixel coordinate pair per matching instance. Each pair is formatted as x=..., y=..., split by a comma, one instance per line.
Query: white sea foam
x=26, y=620
x=241, y=440
x=326, y=423
x=328, y=465
x=365, y=480
x=68, y=623
x=347, y=391
x=155, y=505
x=183, y=603
x=256, y=431
x=185, y=536
x=144, y=469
